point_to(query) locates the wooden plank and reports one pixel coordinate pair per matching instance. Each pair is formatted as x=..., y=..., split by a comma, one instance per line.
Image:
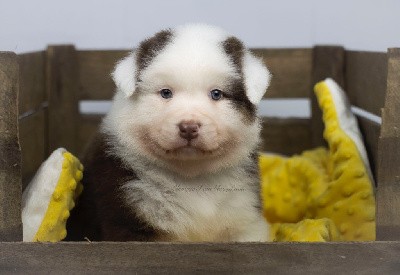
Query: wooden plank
x=210, y=258
x=95, y=69
x=388, y=191
x=62, y=93
x=291, y=69
x=286, y=136
x=32, y=140
x=370, y=132
x=328, y=61
x=365, y=78
x=32, y=83
x=88, y=127
x=10, y=160
x=388, y=194
x=291, y=72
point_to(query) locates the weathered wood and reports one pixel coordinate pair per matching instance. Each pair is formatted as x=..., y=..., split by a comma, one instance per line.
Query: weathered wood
x=388, y=191
x=365, y=78
x=95, y=69
x=328, y=61
x=370, y=132
x=32, y=91
x=286, y=136
x=388, y=194
x=210, y=258
x=291, y=72
x=10, y=153
x=62, y=94
x=88, y=127
x=32, y=140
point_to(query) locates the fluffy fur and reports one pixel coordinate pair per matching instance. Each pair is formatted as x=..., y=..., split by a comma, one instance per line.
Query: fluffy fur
x=171, y=188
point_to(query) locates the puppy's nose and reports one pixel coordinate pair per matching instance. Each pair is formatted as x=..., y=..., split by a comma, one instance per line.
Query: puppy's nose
x=189, y=129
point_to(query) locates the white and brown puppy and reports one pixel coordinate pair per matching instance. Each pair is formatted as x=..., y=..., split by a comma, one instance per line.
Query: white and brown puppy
x=176, y=157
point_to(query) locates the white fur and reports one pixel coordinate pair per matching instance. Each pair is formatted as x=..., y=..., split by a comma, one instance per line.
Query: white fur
x=124, y=75
x=257, y=77
x=197, y=43
x=37, y=195
x=208, y=208
x=177, y=191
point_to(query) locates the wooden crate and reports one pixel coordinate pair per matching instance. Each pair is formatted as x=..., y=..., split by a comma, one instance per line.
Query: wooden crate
x=39, y=111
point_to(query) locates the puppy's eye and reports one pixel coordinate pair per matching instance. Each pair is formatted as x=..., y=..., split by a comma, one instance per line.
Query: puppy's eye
x=216, y=94
x=166, y=93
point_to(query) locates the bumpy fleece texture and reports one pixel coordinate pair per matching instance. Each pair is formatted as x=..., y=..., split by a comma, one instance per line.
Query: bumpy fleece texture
x=322, y=194
x=61, y=174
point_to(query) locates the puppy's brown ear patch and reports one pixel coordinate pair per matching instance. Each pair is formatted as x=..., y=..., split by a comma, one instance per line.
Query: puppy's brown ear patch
x=149, y=48
x=252, y=70
x=234, y=48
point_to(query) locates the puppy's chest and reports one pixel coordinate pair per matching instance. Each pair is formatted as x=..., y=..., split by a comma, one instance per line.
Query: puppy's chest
x=206, y=209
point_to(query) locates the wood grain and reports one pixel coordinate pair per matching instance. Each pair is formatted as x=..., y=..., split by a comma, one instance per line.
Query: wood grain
x=365, y=78
x=62, y=93
x=88, y=127
x=210, y=258
x=328, y=61
x=286, y=136
x=95, y=69
x=32, y=91
x=388, y=194
x=10, y=153
x=32, y=140
x=291, y=72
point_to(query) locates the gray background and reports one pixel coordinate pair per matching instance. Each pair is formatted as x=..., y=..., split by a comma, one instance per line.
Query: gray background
x=89, y=24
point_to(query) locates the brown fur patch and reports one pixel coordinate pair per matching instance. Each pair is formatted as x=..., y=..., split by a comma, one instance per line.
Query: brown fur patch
x=149, y=48
x=101, y=213
x=234, y=48
x=237, y=95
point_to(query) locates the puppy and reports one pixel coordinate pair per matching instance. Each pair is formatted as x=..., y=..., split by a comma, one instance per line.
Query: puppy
x=176, y=158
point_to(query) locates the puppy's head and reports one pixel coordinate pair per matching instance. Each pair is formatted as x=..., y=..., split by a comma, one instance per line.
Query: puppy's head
x=187, y=100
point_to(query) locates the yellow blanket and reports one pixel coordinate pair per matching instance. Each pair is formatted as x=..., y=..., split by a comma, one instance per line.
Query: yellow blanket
x=322, y=194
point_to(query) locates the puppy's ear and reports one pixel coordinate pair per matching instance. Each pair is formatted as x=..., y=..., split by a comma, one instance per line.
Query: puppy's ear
x=124, y=75
x=256, y=76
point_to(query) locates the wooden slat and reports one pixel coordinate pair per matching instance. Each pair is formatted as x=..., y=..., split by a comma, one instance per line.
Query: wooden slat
x=10, y=153
x=366, y=74
x=388, y=194
x=328, y=61
x=32, y=83
x=291, y=72
x=291, y=69
x=88, y=127
x=286, y=136
x=95, y=68
x=388, y=191
x=210, y=258
x=32, y=140
x=62, y=92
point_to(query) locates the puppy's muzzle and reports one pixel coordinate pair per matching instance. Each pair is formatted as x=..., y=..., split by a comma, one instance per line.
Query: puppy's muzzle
x=189, y=129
